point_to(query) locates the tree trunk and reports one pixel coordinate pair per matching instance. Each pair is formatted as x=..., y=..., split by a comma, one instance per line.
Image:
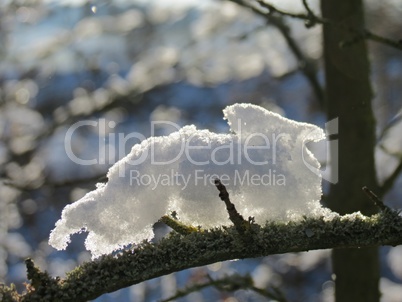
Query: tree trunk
x=348, y=97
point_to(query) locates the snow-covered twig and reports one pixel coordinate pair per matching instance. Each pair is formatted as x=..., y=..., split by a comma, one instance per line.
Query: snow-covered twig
x=177, y=252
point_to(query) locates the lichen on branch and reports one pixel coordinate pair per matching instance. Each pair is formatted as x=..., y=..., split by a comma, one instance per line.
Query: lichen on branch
x=178, y=252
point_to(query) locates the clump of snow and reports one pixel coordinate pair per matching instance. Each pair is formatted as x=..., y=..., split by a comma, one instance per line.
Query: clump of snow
x=264, y=163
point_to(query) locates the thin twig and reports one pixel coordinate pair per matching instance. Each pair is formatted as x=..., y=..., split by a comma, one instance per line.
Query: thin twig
x=392, y=123
x=311, y=17
x=234, y=216
x=305, y=65
x=65, y=183
x=230, y=284
x=273, y=9
x=176, y=225
x=308, y=9
x=389, y=182
x=374, y=198
x=274, y=17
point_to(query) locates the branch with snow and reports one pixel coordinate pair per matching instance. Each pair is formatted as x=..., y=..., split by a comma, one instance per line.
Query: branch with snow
x=178, y=252
x=287, y=215
x=264, y=162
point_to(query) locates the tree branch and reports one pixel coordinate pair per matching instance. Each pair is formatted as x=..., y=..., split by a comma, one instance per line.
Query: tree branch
x=305, y=65
x=312, y=19
x=265, y=9
x=177, y=252
x=389, y=182
x=230, y=283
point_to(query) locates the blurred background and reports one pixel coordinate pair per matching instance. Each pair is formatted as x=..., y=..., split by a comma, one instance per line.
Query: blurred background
x=130, y=63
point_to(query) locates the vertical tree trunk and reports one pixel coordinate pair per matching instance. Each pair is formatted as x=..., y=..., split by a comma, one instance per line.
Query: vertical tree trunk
x=348, y=97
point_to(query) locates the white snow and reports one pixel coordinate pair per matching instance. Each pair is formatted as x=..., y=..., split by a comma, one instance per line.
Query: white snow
x=264, y=163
